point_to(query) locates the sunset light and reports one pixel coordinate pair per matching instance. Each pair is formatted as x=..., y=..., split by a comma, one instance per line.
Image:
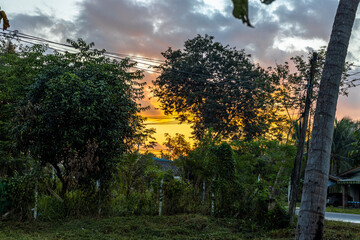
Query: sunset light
x=179, y=119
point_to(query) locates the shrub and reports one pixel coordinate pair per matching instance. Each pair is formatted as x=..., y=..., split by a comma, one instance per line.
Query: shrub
x=136, y=203
x=277, y=218
x=76, y=203
x=20, y=193
x=4, y=201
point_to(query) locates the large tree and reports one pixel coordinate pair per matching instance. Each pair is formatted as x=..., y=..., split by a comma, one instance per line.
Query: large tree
x=79, y=114
x=313, y=202
x=213, y=86
x=16, y=74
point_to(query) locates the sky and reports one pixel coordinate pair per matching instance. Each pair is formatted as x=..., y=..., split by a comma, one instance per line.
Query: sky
x=146, y=28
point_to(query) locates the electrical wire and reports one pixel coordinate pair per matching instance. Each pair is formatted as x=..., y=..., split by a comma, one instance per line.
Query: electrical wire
x=152, y=64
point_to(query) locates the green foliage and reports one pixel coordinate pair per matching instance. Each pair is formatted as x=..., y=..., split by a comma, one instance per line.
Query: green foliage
x=344, y=146
x=290, y=96
x=137, y=203
x=241, y=9
x=80, y=113
x=4, y=201
x=263, y=159
x=263, y=169
x=277, y=218
x=134, y=173
x=76, y=203
x=16, y=74
x=178, y=196
x=177, y=146
x=213, y=86
x=136, y=187
x=355, y=153
x=224, y=183
x=247, y=178
x=224, y=162
x=20, y=192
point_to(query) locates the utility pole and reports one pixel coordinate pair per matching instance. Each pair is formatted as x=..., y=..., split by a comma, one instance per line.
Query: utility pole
x=295, y=176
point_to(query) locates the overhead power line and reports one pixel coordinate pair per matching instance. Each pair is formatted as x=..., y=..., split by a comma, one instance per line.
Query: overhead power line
x=143, y=63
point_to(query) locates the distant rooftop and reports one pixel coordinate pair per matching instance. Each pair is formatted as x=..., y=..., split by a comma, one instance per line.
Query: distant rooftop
x=166, y=165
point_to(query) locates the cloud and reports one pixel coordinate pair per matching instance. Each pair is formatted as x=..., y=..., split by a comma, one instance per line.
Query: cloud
x=149, y=27
x=133, y=27
x=43, y=25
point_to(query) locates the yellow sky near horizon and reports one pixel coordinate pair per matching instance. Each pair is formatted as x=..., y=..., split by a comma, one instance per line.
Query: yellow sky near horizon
x=166, y=124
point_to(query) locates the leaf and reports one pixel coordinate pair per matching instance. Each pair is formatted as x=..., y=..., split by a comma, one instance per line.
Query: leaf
x=241, y=11
x=267, y=2
x=6, y=23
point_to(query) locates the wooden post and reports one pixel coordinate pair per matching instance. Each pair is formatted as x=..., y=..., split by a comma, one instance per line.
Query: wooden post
x=204, y=188
x=213, y=198
x=36, y=199
x=344, y=195
x=98, y=188
x=161, y=197
x=289, y=190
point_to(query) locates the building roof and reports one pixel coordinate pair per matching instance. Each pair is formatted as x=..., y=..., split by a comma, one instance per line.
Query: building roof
x=167, y=165
x=351, y=176
x=350, y=172
x=354, y=179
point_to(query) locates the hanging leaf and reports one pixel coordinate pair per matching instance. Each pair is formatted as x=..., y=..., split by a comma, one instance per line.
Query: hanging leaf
x=6, y=23
x=241, y=11
x=267, y=1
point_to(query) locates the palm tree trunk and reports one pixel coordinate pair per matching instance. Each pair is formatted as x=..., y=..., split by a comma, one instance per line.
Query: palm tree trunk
x=312, y=210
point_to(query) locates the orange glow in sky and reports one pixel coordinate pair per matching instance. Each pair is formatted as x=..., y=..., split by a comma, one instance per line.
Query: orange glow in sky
x=167, y=124
x=158, y=120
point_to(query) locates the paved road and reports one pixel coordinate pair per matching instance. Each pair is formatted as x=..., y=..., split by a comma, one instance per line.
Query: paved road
x=342, y=217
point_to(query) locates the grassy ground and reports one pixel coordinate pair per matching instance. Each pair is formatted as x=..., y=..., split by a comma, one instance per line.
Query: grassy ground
x=343, y=210
x=145, y=227
x=339, y=209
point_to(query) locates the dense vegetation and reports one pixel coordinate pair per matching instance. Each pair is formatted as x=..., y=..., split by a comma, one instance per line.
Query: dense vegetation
x=70, y=135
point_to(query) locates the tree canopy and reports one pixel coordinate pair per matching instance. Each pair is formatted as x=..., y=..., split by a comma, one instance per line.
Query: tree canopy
x=213, y=86
x=80, y=113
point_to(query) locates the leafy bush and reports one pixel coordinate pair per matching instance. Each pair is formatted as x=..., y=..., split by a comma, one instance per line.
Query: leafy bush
x=4, y=201
x=77, y=203
x=50, y=208
x=135, y=204
x=178, y=197
x=277, y=218
x=20, y=193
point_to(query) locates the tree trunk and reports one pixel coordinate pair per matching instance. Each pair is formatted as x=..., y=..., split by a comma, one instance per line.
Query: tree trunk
x=313, y=202
x=295, y=176
x=64, y=183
